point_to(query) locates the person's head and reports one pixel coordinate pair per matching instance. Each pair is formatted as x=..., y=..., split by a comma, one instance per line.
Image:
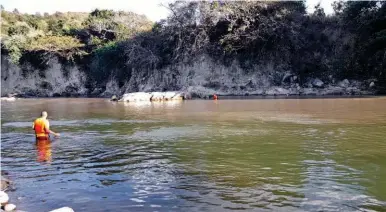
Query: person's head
x=44, y=114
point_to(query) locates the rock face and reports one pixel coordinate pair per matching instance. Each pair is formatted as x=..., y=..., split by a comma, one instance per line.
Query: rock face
x=201, y=78
x=136, y=97
x=31, y=82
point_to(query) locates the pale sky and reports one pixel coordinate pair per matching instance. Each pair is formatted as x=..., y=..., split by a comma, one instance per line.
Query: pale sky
x=151, y=8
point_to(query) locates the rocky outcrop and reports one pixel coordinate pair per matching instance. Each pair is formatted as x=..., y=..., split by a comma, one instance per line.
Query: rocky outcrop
x=200, y=79
x=9, y=99
x=154, y=96
x=4, y=202
x=56, y=80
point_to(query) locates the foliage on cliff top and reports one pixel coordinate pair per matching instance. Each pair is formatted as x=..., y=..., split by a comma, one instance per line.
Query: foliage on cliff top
x=66, y=32
x=347, y=44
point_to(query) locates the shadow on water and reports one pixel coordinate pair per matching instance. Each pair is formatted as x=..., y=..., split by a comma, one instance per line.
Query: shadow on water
x=271, y=155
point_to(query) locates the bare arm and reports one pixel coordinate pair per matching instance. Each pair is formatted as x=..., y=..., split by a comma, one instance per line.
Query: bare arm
x=47, y=125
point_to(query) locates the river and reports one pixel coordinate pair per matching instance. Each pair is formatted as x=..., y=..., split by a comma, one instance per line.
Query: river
x=198, y=155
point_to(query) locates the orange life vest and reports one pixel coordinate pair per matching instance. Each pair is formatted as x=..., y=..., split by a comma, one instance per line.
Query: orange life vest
x=40, y=128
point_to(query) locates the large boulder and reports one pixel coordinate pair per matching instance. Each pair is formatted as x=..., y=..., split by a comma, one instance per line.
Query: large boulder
x=169, y=95
x=174, y=95
x=178, y=96
x=136, y=97
x=8, y=99
x=157, y=96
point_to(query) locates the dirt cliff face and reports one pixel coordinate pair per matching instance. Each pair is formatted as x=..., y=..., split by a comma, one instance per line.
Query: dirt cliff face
x=53, y=81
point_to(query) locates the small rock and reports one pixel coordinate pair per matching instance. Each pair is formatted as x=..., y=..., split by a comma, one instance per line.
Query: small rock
x=64, y=209
x=372, y=84
x=12, y=95
x=317, y=83
x=9, y=207
x=3, y=197
x=114, y=98
x=4, y=183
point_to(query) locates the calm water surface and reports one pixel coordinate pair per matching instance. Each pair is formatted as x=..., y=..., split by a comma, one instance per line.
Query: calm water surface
x=254, y=155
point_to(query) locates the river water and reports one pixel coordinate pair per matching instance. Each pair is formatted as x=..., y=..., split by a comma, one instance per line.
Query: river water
x=198, y=155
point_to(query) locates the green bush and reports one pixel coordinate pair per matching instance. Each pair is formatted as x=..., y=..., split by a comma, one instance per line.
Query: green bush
x=53, y=43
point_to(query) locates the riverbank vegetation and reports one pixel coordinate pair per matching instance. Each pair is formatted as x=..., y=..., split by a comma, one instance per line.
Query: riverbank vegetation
x=347, y=44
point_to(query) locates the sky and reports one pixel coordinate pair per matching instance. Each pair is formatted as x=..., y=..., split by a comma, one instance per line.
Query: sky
x=151, y=8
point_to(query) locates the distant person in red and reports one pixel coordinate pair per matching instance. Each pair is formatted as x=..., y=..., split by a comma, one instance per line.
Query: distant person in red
x=215, y=97
x=42, y=127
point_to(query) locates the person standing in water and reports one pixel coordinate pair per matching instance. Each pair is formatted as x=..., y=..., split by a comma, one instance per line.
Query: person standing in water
x=42, y=127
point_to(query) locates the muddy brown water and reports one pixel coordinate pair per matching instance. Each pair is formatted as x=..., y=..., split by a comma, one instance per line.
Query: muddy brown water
x=198, y=155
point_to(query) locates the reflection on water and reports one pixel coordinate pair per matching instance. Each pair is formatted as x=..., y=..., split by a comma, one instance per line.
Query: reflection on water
x=44, y=150
x=269, y=155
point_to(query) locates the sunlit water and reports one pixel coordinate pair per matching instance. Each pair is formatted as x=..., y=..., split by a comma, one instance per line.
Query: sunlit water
x=261, y=155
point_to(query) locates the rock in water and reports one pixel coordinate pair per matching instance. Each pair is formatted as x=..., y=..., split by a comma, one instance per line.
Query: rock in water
x=157, y=96
x=114, y=98
x=4, y=183
x=135, y=97
x=9, y=207
x=153, y=96
x=3, y=197
x=64, y=209
x=169, y=95
x=317, y=83
x=8, y=98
